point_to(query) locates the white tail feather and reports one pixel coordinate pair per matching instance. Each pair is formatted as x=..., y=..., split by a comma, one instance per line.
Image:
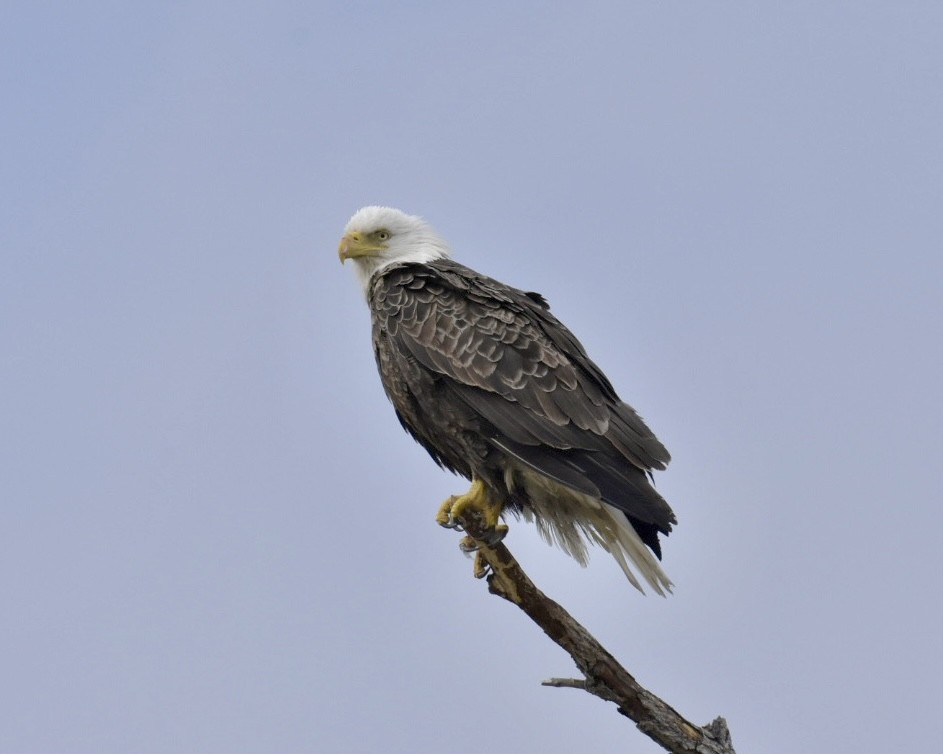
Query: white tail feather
x=570, y=519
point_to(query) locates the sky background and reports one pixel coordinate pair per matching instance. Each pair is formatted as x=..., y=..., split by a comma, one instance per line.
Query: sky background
x=215, y=537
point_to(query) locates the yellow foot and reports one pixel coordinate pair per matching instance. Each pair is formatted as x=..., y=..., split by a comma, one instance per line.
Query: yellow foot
x=444, y=515
x=476, y=502
x=469, y=545
x=480, y=569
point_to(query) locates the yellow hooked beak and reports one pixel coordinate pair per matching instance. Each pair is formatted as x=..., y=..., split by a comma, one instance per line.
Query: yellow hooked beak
x=356, y=244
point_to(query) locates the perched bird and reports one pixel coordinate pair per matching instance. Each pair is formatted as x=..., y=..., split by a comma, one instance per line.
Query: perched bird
x=496, y=389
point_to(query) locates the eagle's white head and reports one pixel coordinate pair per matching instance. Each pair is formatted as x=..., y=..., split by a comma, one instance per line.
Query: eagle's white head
x=377, y=237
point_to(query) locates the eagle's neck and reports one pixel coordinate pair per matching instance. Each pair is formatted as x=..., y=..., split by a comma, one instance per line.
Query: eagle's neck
x=426, y=251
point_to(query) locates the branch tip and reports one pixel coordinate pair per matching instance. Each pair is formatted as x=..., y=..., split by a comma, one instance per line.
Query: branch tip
x=565, y=683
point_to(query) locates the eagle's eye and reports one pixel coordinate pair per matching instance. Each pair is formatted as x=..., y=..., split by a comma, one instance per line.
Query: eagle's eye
x=383, y=235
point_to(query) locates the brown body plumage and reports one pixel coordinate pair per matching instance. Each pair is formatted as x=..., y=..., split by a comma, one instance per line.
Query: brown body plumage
x=497, y=389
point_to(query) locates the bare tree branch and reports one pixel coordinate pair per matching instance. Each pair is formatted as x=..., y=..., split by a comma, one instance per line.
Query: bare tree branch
x=603, y=675
x=566, y=683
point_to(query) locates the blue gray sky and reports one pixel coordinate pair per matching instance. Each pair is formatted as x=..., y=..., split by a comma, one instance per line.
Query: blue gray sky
x=214, y=535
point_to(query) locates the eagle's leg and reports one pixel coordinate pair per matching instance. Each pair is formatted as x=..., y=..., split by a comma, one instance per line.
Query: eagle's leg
x=480, y=502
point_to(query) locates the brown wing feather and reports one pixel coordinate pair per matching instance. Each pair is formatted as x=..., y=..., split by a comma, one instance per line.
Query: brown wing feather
x=507, y=358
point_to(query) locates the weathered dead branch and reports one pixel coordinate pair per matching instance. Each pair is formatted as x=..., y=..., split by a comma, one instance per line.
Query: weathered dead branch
x=603, y=676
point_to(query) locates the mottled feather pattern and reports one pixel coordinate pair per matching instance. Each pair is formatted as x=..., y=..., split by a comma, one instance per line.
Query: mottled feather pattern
x=513, y=374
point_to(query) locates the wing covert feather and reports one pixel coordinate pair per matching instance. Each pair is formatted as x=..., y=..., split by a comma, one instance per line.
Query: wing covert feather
x=509, y=359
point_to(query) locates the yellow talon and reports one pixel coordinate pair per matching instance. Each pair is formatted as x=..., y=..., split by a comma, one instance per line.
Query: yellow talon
x=444, y=515
x=477, y=502
x=481, y=568
x=470, y=545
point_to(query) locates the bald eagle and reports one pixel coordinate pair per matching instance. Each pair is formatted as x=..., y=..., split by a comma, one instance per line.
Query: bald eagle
x=496, y=389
